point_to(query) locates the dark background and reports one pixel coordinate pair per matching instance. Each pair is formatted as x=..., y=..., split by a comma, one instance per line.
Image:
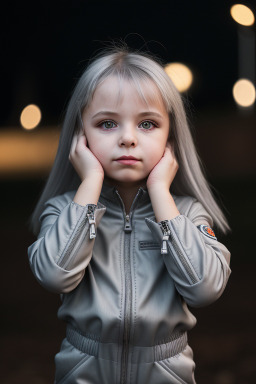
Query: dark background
x=44, y=48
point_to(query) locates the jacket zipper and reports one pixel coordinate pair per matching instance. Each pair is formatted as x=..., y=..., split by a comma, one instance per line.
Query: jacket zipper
x=128, y=286
x=78, y=238
x=91, y=220
x=165, y=226
x=127, y=303
x=166, y=234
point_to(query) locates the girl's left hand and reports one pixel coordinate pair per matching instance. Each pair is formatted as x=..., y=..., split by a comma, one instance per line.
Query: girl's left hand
x=163, y=173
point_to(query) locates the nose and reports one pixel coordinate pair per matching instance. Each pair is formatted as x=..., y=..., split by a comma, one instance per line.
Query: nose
x=128, y=137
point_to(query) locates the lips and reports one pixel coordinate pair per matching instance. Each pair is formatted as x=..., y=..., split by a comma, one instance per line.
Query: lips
x=127, y=160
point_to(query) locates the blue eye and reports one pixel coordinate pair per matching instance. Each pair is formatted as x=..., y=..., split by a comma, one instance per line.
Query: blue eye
x=147, y=124
x=107, y=124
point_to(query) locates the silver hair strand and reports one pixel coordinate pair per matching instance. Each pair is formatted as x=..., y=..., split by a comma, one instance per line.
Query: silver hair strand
x=137, y=67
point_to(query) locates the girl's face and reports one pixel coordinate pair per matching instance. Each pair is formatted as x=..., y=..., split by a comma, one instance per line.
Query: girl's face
x=127, y=135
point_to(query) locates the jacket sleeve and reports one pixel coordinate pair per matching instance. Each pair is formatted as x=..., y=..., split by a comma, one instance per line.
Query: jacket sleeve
x=198, y=263
x=64, y=246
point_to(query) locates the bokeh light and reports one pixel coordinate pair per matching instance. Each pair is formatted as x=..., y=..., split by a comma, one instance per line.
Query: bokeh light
x=23, y=155
x=242, y=14
x=30, y=117
x=244, y=93
x=180, y=74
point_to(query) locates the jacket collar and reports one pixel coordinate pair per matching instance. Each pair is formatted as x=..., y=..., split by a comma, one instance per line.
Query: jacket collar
x=109, y=192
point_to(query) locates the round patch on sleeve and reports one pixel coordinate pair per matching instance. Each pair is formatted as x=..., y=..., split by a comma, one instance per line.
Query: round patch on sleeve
x=207, y=231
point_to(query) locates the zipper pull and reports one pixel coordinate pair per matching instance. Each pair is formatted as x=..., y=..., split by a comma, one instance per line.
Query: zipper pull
x=91, y=219
x=164, y=245
x=127, y=227
x=166, y=234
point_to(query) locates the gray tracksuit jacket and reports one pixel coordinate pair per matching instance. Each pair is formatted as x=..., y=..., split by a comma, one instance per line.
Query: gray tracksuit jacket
x=125, y=283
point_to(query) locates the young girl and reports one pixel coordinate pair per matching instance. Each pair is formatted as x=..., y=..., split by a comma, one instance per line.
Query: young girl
x=125, y=228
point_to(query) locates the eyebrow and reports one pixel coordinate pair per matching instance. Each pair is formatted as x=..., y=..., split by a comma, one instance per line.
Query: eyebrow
x=117, y=114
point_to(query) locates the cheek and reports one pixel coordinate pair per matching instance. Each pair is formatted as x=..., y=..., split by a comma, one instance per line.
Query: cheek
x=98, y=148
x=92, y=142
x=155, y=158
x=99, y=145
x=156, y=151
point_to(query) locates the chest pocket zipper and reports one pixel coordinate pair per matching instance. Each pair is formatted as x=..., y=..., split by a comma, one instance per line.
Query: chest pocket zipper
x=144, y=245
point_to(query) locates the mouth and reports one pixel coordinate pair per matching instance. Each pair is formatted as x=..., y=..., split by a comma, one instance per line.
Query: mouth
x=127, y=160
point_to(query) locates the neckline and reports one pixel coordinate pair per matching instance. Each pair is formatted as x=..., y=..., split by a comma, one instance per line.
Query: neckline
x=109, y=192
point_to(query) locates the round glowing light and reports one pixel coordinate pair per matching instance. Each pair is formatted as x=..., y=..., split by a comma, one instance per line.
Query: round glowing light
x=181, y=75
x=242, y=14
x=244, y=93
x=30, y=117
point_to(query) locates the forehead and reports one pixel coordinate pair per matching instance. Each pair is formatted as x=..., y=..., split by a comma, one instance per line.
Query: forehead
x=114, y=90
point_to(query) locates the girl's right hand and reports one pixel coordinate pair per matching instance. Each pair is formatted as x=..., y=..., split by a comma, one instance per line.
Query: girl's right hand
x=83, y=160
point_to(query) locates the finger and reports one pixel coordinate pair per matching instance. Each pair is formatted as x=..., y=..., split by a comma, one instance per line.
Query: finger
x=168, y=152
x=86, y=141
x=170, y=157
x=82, y=141
x=170, y=147
x=73, y=144
x=80, y=133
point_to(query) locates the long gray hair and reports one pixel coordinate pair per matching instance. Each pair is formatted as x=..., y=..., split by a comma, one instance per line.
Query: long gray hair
x=124, y=64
